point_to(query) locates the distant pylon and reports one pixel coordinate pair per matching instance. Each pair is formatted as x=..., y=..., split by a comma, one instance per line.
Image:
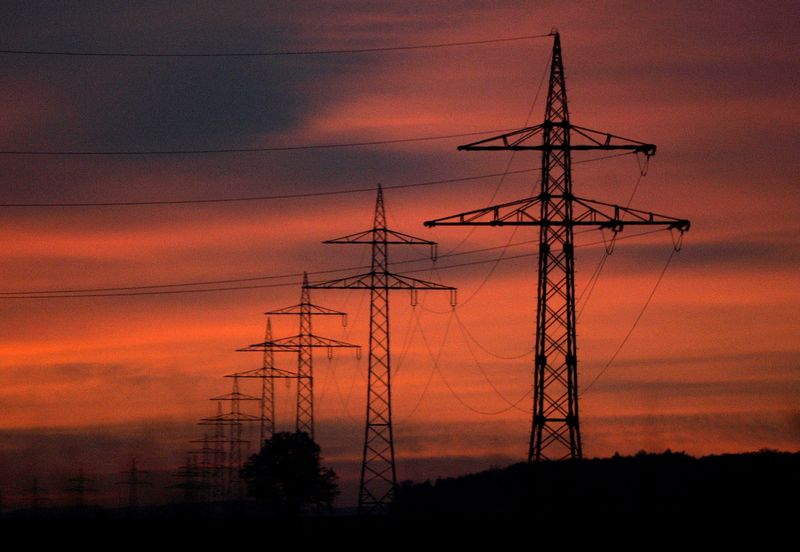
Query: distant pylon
x=133, y=482
x=208, y=463
x=218, y=472
x=267, y=426
x=268, y=373
x=304, y=343
x=555, y=431
x=212, y=461
x=79, y=486
x=37, y=495
x=192, y=480
x=378, y=474
x=233, y=420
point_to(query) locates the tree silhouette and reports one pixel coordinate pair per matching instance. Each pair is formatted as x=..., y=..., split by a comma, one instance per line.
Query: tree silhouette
x=286, y=475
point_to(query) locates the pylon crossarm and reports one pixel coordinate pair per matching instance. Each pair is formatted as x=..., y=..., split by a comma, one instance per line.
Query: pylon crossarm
x=229, y=418
x=392, y=238
x=234, y=397
x=597, y=139
x=513, y=212
x=398, y=238
x=262, y=373
x=396, y=281
x=367, y=236
x=581, y=138
x=294, y=343
x=608, y=215
x=510, y=140
x=586, y=212
x=360, y=281
x=315, y=341
x=393, y=281
x=313, y=309
x=270, y=345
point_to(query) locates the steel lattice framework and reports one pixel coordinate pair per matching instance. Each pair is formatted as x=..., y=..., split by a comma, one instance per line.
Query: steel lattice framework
x=268, y=373
x=233, y=420
x=211, y=464
x=378, y=474
x=215, y=470
x=555, y=432
x=136, y=478
x=303, y=344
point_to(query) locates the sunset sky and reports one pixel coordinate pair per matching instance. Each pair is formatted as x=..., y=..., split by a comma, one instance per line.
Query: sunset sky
x=712, y=366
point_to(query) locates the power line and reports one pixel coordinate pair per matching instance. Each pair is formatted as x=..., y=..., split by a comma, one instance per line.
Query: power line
x=158, y=289
x=510, y=159
x=256, y=278
x=435, y=360
x=277, y=53
x=245, y=150
x=290, y=196
x=635, y=323
x=438, y=370
x=467, y=336
x=264, y=198
x=607, y=253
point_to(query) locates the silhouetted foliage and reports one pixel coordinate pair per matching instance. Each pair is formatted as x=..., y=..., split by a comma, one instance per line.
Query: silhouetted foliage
x=652, y=486
x=286, y=475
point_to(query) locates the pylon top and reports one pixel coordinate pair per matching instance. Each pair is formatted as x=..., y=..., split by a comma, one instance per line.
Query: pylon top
x=557, y=117
x=305, y=307
x=379, y=233
x=293, y=344
x=273, y=372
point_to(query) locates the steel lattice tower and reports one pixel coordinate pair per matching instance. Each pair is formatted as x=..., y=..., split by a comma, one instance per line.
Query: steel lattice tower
x=378, y=474
x=233, y=420
x=268, y=373
x=36, y=495
x=133, y=482
x=216, y=470
x=211, y=464
x=304, y=344
x=192, y=480
x=79, y=487
x=555, y=432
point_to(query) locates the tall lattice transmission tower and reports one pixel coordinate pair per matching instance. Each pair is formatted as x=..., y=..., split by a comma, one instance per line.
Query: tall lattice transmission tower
x=268, y=373
x=37, y=495
x=378, y=474
x=304, y=344
x=233, y=420
x=135, y=478
x=213, y=456
x=209, y=461
x=80, y=486
x=555, y=431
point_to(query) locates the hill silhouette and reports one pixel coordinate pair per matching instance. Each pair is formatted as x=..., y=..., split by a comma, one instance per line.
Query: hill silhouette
x=668, y=494
x=762, y=485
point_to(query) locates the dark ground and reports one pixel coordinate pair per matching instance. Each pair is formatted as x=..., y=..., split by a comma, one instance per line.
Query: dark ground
x=663, y=496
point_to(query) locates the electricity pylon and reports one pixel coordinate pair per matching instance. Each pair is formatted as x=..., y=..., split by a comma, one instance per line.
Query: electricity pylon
x=192, y=483
x=304, y=344
x=134, y=480
x=233, y=420
x=216, y=470
x=37, y=495
x=378, y=475
x=555, y=431
x=268, y=373
x=211, y=464
x=79, y=486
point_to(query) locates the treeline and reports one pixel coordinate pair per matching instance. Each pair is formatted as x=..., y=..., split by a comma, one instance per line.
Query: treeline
x=668, y=485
